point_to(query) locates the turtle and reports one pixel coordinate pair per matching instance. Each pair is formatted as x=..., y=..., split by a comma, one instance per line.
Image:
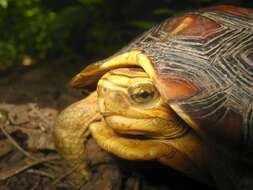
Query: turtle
x=181, y=93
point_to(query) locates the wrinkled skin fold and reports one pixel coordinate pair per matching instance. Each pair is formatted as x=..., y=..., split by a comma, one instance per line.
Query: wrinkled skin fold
x=69, y=134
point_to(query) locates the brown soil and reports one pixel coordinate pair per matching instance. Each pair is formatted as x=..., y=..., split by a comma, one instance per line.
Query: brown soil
x=30, y=101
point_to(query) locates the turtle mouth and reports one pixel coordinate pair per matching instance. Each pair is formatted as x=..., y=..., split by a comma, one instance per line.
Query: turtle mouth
x=149, y=128
x=133, y=136
x=144, y=135
x=128, y=146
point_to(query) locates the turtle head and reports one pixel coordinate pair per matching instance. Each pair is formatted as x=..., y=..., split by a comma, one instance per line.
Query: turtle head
x=131, y=105
x=138, y=124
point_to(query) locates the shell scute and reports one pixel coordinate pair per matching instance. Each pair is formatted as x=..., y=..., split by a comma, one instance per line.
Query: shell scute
x=191, y=25
x=232, y=10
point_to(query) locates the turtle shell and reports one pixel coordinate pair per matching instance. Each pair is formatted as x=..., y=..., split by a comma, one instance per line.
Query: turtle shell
x=202, y=64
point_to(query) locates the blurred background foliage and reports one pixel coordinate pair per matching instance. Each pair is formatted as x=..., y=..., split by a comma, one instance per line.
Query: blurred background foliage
x=33, y=30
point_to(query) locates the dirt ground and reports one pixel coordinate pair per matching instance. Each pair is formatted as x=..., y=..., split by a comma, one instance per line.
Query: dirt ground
x=30, y=100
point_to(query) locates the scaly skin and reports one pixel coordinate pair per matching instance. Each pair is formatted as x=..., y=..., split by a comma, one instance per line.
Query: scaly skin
x=69, y=133
x=166, y=137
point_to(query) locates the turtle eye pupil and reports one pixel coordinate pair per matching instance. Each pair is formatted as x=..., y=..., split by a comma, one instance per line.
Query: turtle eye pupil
x=145, y=94
x=142, y=94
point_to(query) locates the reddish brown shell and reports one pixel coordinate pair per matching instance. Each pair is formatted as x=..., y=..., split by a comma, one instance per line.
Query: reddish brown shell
x=203, y=62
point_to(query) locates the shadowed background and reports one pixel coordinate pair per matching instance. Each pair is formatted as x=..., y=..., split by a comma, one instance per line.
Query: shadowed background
x=35, y=30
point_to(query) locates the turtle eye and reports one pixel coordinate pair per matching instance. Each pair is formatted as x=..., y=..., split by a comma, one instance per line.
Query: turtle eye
x=142, y=93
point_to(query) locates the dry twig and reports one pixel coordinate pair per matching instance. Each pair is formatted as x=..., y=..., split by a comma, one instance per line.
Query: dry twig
x=16, y=144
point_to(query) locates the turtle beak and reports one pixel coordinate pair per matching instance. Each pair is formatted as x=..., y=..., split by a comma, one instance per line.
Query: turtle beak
x=93, y=72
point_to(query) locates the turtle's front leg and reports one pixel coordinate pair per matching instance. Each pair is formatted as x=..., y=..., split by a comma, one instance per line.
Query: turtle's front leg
x=69, y=134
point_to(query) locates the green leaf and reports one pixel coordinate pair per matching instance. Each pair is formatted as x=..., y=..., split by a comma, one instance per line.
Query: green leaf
x=4, y=3
x=32, y=12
